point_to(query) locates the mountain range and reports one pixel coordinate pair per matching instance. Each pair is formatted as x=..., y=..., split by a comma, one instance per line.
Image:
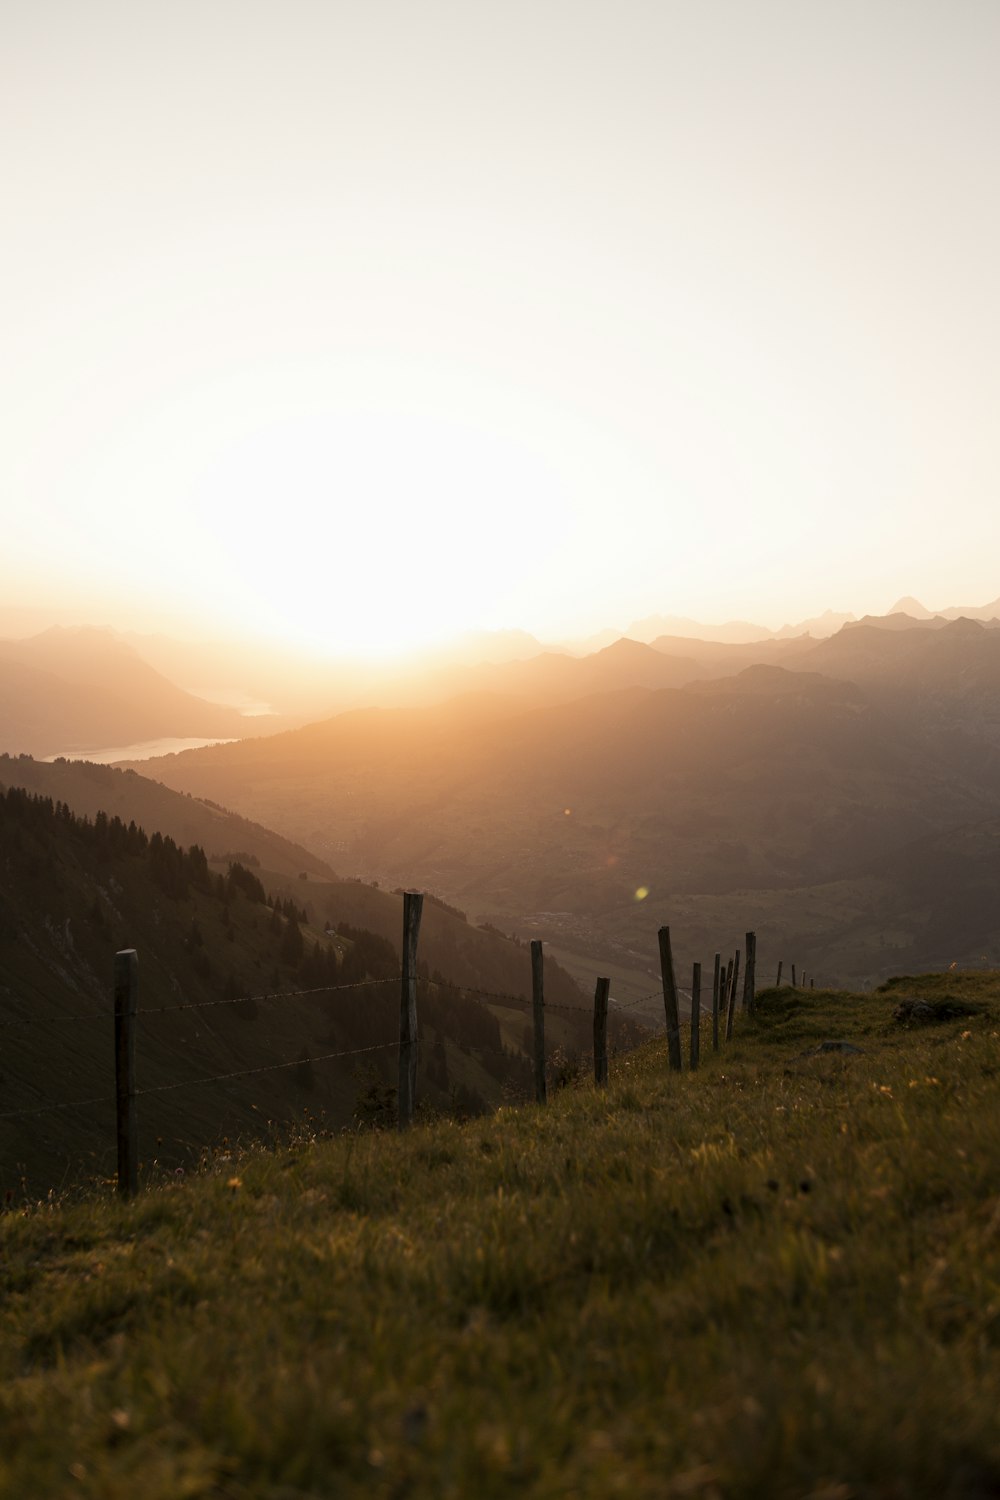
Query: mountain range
x=716, y=784
x=548, y=800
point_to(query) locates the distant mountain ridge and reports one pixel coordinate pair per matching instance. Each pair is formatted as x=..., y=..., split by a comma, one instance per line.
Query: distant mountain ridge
x=913, y=607
x=85, y=689
x=791, y=772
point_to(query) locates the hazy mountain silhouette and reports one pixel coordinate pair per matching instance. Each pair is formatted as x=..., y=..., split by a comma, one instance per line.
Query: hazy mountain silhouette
x=703, y=771
x=767, y=780
x=84, y=689
x=913, y=607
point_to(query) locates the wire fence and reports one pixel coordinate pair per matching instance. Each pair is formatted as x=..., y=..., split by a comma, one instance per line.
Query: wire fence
x=468, y=992
x=165, y=1010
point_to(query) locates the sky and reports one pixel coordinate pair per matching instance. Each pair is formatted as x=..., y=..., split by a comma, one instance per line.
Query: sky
x=362, y=323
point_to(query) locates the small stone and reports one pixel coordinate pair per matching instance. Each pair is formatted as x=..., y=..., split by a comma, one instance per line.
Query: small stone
x=914, y=1010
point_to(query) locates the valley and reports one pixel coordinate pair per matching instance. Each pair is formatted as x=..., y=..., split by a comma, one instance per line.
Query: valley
x=782, y=797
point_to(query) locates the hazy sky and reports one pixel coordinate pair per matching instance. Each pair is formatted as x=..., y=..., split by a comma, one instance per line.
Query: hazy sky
x=365, y=321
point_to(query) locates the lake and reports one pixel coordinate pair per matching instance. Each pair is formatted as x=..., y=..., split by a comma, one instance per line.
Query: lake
x=145, y=750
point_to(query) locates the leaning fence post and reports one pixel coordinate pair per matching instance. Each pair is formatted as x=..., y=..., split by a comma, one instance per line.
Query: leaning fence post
x=716, y=1001
x=750, y=974
x=777, y=982
x=731, y=1011
x=126, y=972
x=601, y=1031
x=538, y=1014
x=670, y=1007
x=413, y=905
x=695, y=1016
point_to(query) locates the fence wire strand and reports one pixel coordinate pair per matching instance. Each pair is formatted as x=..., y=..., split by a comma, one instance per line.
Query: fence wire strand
x=45, y=1109
x=468, y=991
x=296, y=1062
x=163, y=1010
x=321, y=989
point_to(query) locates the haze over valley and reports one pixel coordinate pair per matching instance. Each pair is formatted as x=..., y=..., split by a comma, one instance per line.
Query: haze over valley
x=811, y=787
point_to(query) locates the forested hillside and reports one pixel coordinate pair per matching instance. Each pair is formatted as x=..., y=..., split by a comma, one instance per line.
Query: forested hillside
x=223, y=954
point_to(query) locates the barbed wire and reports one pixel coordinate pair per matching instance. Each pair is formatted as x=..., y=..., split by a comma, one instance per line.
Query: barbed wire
x=45, y=1109
x=163, y=1088
x=162, y=1010
x=471, y=991
x=295, y=1062
x=93, y=1015
x=321, y=989
x=467, y=991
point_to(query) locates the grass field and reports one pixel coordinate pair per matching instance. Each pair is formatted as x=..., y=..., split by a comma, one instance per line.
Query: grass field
x=777, y=1277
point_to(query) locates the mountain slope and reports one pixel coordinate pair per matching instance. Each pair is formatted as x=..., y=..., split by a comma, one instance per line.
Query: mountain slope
x=88, y=789
x=85, y=689
x=551, y=820
x=73, y=892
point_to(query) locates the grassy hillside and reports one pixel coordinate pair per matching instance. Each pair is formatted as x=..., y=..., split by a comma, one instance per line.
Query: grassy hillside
x=777, y=1277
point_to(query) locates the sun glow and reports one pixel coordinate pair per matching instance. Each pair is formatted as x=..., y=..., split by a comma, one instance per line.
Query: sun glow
x=351, y=519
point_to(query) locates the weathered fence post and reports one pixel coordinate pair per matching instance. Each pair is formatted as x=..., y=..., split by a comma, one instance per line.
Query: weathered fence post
x=793, y=977
x=781, y=965
x=538, y=1013
x=727, y=984
x=601, y=1031
x=733, y=984
x=670, y=1006
x=413, y=905
x=126, y=971
x=750, y=975
x=695, y=1016
x=716, y=1001
x=812, y=983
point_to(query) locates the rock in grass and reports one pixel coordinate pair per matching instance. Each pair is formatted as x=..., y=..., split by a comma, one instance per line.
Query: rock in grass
x=914, y=1011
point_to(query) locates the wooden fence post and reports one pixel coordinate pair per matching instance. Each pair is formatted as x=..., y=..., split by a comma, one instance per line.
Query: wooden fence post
x=734, y=982
x=670, y=1006
x=793, y=977
x=695, y=1016
x=126, y=972
x=413, y=905
x=781, y=965
x=812, y=983
x=716, y=1001
x=538, y=1012
x=750, y=974
x=601, y=1031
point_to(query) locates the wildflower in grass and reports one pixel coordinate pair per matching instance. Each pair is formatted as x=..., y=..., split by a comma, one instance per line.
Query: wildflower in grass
x=234, y=1183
